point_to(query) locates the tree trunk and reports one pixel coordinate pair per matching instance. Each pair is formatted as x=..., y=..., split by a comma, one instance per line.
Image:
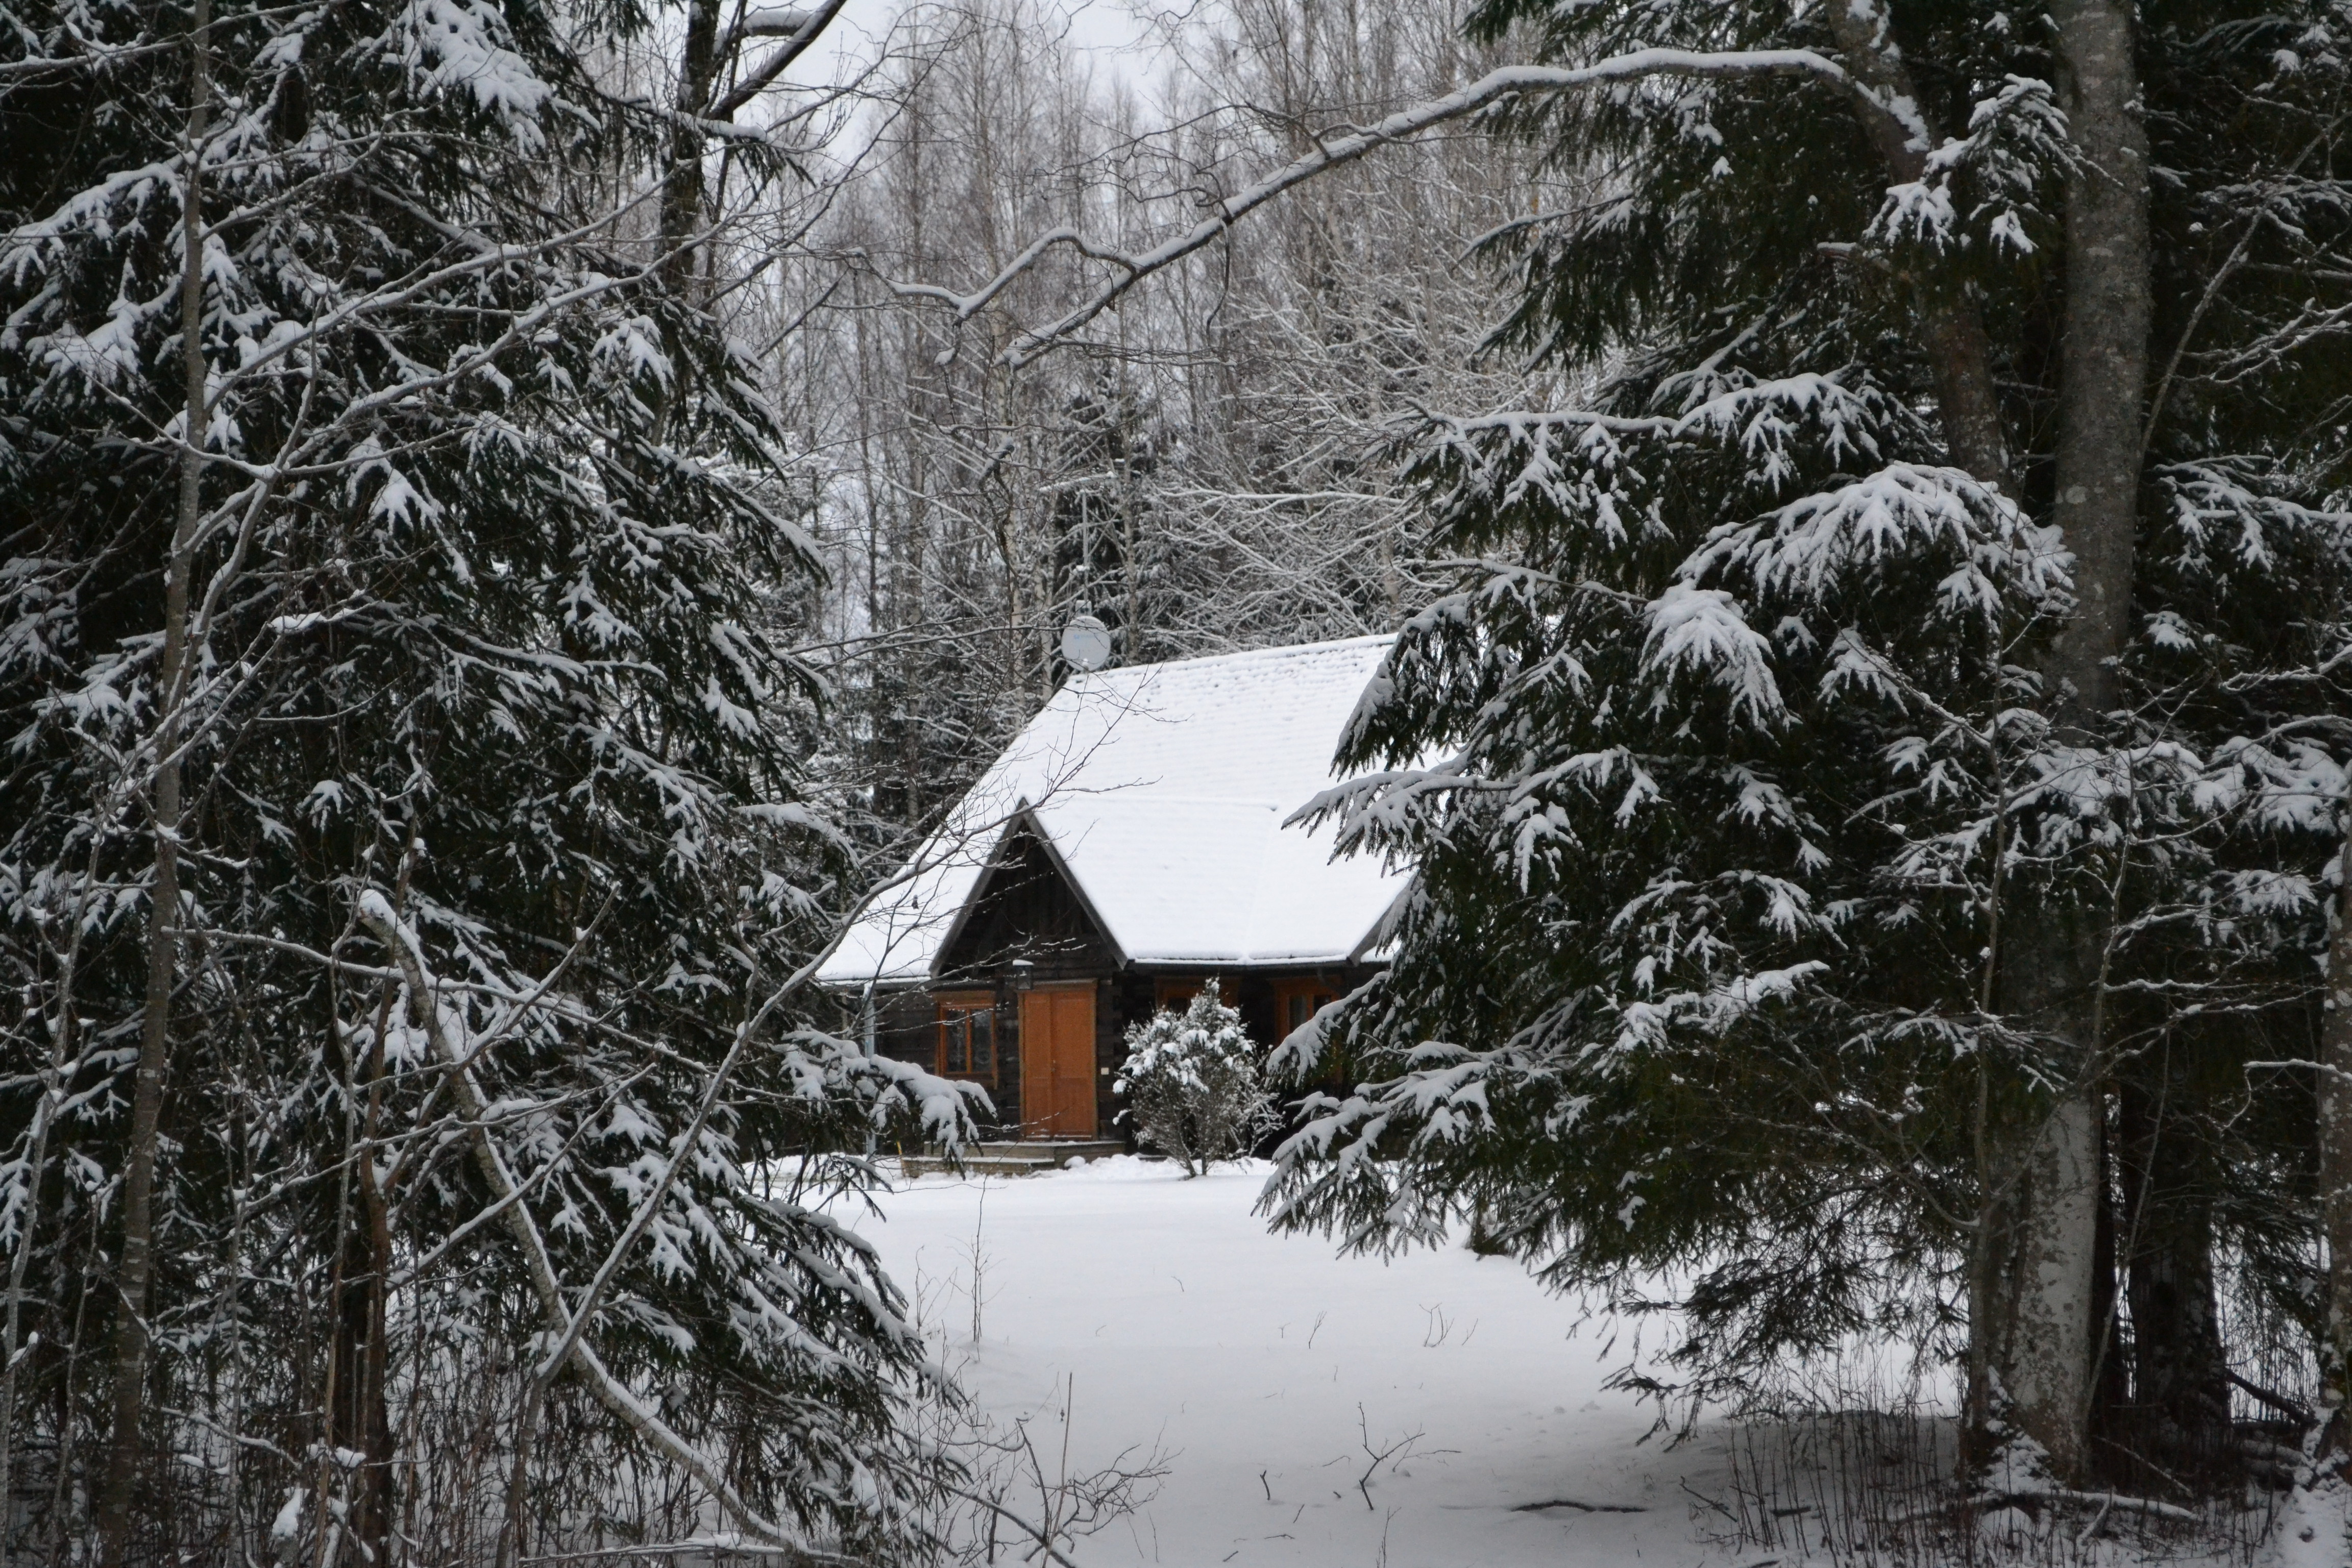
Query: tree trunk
x=2031, y=1281
x=362, y=1419
x=2180, y=1388
x=2336, y=1184
x=137, y=1264
x=1951, y=323
x=682, y=182
x=2181, y=1373
x=2103, y=386
x=2031, y=1318
x=2050, y=964
x=2110, y=1375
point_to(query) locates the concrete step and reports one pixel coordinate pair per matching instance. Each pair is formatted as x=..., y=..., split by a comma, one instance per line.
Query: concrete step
x=1025, y=1158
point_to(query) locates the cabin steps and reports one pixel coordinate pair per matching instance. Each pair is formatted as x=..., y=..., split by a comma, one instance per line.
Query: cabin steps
x=1028, y=1157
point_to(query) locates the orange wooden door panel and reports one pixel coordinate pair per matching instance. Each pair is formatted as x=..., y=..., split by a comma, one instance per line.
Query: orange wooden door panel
x=1074, y=1061
x=1057, y=1061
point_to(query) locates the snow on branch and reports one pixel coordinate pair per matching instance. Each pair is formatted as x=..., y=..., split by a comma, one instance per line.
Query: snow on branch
x=1803, y=549
x=2016, y=137
x=799, y=30
x=1335, y=150
x=462, y=46
x=1701, y=631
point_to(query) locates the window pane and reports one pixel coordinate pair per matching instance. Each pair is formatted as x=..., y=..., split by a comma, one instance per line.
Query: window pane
x=984, y=1042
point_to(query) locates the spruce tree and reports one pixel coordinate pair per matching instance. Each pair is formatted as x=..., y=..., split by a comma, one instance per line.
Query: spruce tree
x=1891, y=731
x=405, y=870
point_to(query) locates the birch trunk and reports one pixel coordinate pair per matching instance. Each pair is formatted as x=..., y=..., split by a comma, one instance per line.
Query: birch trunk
x=136, y=1267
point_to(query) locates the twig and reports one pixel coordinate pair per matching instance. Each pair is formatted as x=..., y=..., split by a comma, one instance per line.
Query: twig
x=1379, y=1457
x=2091, y=1528
x=2287, y=1407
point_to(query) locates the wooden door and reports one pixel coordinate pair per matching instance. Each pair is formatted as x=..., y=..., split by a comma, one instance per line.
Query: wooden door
x=1057, y=1061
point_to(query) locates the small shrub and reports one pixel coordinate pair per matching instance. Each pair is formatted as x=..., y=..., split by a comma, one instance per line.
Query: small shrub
x=1192, y=1084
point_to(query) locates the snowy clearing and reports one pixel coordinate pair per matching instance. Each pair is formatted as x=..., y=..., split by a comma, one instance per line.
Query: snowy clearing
x=1260, y=1367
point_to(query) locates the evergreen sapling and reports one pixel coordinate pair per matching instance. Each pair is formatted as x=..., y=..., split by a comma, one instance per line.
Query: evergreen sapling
x=1193, y=1085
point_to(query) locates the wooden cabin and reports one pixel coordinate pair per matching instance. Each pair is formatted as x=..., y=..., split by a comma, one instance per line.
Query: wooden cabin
x=1133, y=842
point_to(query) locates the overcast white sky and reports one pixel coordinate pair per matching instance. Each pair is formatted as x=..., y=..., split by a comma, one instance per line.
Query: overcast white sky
x=1117, y=36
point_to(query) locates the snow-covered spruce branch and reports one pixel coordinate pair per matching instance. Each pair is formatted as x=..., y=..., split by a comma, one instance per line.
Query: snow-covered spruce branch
x=1334, y=152
x=377, y=915
x=89, y=54
x=458, y=1070
x=491, y=256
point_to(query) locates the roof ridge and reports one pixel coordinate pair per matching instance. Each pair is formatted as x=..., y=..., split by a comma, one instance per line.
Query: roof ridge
x=1285, y=650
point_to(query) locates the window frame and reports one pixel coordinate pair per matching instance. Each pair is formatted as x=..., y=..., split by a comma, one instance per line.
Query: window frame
x=951, y=1008
x=1174, y=993
x=1286, y=992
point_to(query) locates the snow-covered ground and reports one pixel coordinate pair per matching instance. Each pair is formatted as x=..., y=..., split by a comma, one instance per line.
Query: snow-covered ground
x=1265, y=1375
x=1165, y=1315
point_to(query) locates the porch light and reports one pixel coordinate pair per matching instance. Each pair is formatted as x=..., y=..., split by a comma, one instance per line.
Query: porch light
x=1024, y=974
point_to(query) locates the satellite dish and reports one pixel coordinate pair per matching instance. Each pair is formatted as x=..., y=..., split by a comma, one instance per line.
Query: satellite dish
x=1085, y=643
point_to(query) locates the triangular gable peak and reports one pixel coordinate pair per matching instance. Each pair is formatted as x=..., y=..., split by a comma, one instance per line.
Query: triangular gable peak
x=1025, y=908
x=1160, y=795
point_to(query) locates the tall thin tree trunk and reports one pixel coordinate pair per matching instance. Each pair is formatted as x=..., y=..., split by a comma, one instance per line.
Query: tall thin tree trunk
x=357, y=1415
x=61, y=1050
x=2042, y=1299
x=2110, y=1376
x=2110, y=302
x=2335, y=1183
x=682, y=181
x=2032, y=1295
x=37, y=1161
x=370, y=1417
x=136, y=1267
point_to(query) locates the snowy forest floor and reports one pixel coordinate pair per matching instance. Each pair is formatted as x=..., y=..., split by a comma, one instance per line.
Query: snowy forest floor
x=1435, y=1410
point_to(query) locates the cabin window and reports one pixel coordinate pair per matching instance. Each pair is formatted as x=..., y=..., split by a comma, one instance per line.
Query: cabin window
x=1296, y=1001
x=967, y=1030
x=1175, y=995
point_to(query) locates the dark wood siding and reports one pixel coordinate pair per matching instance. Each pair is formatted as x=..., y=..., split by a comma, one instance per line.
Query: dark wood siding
x=907, y=1030
x=1025, y=909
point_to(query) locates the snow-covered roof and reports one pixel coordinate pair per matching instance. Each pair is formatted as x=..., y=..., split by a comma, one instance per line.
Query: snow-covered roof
x=1163, y=790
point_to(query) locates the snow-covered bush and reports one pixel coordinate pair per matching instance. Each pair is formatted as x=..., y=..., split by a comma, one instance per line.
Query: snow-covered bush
x=1191, y=1083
